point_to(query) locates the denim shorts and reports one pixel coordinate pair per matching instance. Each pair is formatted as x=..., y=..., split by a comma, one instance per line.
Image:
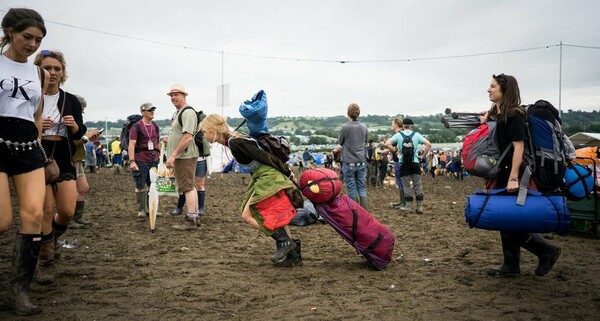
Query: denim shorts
x=20, y=150
x=201, y=168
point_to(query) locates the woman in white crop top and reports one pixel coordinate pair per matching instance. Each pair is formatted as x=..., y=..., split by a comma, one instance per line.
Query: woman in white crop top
x=21, y=158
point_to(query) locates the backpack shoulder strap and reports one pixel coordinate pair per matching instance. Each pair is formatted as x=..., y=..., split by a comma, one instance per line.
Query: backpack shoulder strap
x=180, y=116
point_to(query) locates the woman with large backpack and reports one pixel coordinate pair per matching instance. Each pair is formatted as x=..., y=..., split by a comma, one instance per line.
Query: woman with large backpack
x=506, y=110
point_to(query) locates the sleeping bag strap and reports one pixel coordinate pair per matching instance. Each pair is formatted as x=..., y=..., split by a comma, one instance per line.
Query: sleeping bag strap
x=373, y=245
x=487, y=198
x=354, y=225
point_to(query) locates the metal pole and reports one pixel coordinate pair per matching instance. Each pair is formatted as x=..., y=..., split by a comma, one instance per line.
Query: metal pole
x=222, y=94
x=560, y=83
x=222, y=82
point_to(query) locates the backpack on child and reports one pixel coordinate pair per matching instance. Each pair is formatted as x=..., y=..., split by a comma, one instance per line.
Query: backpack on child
x=408, y=149
x=254, y=112
x=199, y=140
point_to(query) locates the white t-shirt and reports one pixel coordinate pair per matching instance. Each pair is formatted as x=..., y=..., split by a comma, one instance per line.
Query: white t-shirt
x=20, y=89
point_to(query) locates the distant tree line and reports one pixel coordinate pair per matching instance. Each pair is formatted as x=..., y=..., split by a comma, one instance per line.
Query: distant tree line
x=318, y=129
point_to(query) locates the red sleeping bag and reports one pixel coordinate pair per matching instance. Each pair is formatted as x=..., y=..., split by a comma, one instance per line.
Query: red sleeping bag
x=359, y=228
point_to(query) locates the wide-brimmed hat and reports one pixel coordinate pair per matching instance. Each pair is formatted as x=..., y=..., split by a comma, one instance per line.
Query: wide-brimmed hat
x=177, y=89
x=147, y=106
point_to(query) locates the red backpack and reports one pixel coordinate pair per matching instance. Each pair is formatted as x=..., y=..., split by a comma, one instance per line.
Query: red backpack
x=480, y=153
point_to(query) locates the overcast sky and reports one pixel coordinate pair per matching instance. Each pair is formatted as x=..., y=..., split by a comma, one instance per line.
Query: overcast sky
x=121, y=54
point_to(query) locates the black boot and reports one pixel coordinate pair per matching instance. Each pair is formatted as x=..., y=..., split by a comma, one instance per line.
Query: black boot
x=512, y=255
x=284, y=244
x=45, y=268
x=27, y=248
x=179, y=208
x=294, y=258
x=57, y=231
x=78, y=221
x=547, y=253
x=201, y=200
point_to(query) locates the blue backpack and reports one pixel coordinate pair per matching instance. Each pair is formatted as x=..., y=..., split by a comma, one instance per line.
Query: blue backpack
x=546, y=150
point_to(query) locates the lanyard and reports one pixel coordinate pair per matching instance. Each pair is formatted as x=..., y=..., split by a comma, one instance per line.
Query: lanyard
x=151, y=130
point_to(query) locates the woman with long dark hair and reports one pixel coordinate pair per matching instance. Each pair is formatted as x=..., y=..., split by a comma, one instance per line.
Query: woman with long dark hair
x=506, y=110
x=21, y=155
x=62, y=124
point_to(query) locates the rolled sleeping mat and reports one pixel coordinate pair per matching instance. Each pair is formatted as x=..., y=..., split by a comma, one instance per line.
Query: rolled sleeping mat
x=497, y=210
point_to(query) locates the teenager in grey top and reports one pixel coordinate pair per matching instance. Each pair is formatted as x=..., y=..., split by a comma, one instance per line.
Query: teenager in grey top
x=353, y=142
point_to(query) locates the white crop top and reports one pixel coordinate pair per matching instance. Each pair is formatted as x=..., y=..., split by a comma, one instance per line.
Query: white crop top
x=51, y=110
x=20, y=89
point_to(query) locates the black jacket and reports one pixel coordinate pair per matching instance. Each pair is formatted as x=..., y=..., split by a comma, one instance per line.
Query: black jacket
x=72, y=108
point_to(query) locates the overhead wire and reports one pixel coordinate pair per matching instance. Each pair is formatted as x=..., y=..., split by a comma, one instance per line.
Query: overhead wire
x=342, y=61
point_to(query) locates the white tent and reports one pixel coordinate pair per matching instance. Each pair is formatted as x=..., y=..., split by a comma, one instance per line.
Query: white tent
x=590, y=139
x=219, y=157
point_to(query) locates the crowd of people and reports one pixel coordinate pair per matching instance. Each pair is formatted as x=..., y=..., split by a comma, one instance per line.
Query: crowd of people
x=39, y=121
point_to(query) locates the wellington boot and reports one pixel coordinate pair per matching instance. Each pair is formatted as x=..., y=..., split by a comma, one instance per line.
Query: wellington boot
x=547, y=253
x=512, y=256
x=201, y=201
x=364, y=203
x=45, y=269
x=78, y=217
x=25, y=256
x=284, y=245
x=141, y=203
x=57, y=232
x=407, y=207
x=419, y=207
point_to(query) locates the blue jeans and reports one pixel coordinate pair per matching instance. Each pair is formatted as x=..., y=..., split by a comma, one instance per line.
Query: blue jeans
x=354, y=176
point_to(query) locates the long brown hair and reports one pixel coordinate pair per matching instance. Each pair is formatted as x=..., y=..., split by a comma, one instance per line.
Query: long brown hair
x=19, y=19
x=511, y=98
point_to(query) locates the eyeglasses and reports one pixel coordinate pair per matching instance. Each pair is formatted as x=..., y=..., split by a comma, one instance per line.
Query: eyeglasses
x=51, y=53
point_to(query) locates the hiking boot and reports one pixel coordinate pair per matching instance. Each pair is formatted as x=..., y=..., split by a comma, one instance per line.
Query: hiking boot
x=189, y=223
x=283, y=249
x=284, y=244
x=294, y=258
x=177, y=211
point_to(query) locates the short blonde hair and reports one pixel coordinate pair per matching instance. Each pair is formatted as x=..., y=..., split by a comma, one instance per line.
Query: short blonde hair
x=353, y=111
x=217, y=124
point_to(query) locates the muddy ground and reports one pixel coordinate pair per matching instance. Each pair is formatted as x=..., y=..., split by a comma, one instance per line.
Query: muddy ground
x=119, y=270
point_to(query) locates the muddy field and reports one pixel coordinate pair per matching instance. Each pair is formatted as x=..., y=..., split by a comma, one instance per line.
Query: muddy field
x=119, y=270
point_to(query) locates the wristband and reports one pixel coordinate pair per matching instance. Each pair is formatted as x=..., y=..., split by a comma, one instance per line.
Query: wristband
x=513, y=179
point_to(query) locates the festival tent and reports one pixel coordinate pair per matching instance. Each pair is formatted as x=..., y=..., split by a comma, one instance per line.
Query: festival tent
x=589, y=139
